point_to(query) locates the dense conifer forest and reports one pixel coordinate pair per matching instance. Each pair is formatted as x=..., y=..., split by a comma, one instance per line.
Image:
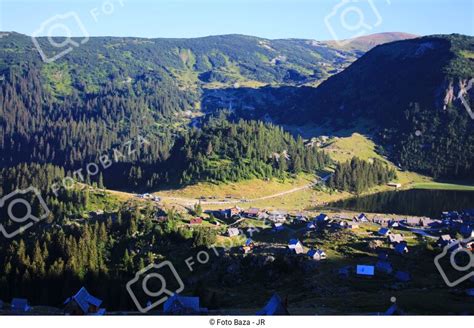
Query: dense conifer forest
x=358, y=176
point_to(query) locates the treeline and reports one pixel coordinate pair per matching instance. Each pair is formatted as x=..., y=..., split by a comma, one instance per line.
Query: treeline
x=358, y=176
x=78, y=127
x=233, y=151
x=436, y=143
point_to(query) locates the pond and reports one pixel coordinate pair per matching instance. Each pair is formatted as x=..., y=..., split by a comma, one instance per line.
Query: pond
x=415, y=202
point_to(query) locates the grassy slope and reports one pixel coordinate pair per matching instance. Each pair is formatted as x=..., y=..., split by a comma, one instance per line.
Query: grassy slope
x=340, y=149
x=249, y=189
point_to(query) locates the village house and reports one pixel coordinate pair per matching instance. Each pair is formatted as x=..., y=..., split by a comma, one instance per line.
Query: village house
x=384, y=222
x=394, y=185
x=467, y=231
x=362, y=218
x=195, y=221
x=453, y=245
x=277, y=216
x=322, y=218
x=263, y=216
x=394, y=309
x=234, y=211
x=365, y=270
x=20, y=305
x=352, y=225
x=183, y=305
x=401, y=249
x=338, y=224
x=252, y=212
x=277, y=227
x=311, y=226
x=232, y=232
x=426, y=222
x=470, y=245
x=395, y=238
x=451, y=215
x=83, y=303
x=443, y=240
x=275, y=306
x=384, y=232
x=300, y=218
x=467, y=215
x=248, y=247
x=96, y=214
x=317, y=255
x=393, y=224
x=412, y=221
x=295, y=246
x=220, y=214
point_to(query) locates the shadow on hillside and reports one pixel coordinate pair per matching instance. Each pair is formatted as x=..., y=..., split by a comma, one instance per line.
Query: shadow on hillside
x=291, y=107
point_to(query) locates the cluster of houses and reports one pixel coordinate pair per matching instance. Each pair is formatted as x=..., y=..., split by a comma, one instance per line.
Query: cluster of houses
x=383, y=266
x=82, y=303
x=148, y=197
x=251, y=213
x=296, y=247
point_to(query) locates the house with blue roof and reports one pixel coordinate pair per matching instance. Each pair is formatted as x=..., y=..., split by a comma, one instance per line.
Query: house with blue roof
x=20, y=305
x=178, y=304
x=362, y=218
x=394, y=310
x=322, y=218
x=311, y=225
x=365, y=270
x=467, y=231
x=278, y=227
x=401, y=249
x=295, y=246
x=317, y=254
x=83, y=303
x=275, y=306
x=384, y=232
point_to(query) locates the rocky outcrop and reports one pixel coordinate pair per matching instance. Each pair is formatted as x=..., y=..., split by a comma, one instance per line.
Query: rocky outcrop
x=456, y=91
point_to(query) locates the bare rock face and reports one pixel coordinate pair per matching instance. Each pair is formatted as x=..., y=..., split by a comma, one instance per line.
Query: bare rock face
x=457, y=90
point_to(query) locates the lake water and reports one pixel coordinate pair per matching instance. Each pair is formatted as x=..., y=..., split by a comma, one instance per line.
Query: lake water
x=410, y=202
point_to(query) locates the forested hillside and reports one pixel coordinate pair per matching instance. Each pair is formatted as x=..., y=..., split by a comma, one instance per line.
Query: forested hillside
x=225, y=151
x=410, y=92
x=358, y=176
x=112, y=91
x=71, y=247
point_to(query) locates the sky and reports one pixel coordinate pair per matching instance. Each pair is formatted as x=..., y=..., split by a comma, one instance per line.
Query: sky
x=273, y=19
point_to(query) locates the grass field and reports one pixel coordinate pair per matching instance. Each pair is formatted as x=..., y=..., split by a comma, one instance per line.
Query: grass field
x=443, y=186
x=248, y=189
